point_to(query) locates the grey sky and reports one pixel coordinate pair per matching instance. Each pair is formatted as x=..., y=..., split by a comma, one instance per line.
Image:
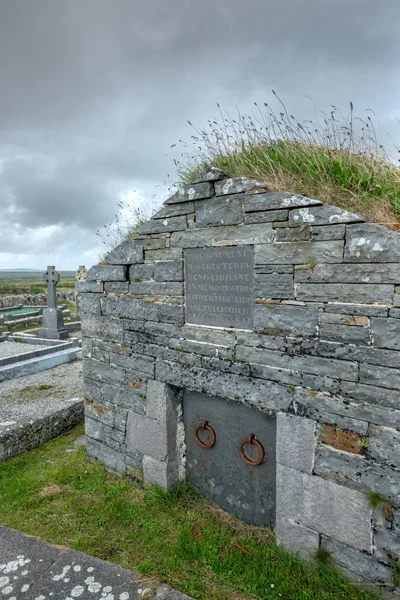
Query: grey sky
x=94, y=92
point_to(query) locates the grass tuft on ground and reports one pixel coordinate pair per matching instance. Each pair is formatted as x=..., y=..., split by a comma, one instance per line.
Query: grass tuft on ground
x=336, y=159
x=56, y=493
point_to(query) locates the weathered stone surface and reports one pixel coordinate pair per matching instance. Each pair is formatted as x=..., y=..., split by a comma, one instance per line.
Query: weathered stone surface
x=168, y=254
x=142, y=433
x=349, y=273
x=134, y=362
x=386, y=333
x=359, y=563
x=354, y=471
x=141, y=272
x=196, y=191
x=89, y=286
x=112, y=459
x=295, y=442
x=344, y=333
x=159, y=243
x=297, y=234
x=156, y=287
x=322, y=215
x=236, y=185
x=395, y=313
x=297, y=538
x=324, y=507
x=220, y=210
x=338, y=319
x=384, y=444
x=211, y=174
x=104, y=328
x=268, y=216
x=344, y=292
x=174, y=210
x=103, y=372
x=164, y=474
x=116, y=287
x=387, y=544
x=126, y=398
x=341, y=440
x=171, y=270
x=325, y=233
x=357, y=309
x=308, y=364
x=276, y=200
x=269, y=396
x=380, y=376
x=286, y=320
x=274, y=269
x=127, y=253
x=338, y=421
x=164, y=225
x=371, y=243
x=106, y=273
x=100, y=431
x=126, y=308
x=90, y=303
x=167, y=313
x=298, y=253
x=223, y=236
x=274, y=286
x=291, y=377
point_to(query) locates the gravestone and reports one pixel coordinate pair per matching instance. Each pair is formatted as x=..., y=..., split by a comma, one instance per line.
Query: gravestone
x=52, y=318
x=249, y=342
x=80, y=277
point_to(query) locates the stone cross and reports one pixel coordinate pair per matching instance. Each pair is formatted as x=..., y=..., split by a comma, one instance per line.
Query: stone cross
x=81, y=273
x=51, y=277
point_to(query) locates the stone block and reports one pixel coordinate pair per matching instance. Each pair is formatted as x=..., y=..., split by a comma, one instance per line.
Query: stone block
x=116, y=287
x=360, y=563
x=236, y=185
x=380, y=376
x=163, y=474
x=371, y=243
x=211, y=174
x=277, y=200
x=294, y=234
x=103, y=372
x=112, y=459
x=100, y=411
x=163, y=225
x=123, y=396
x=89, y=286
x=220, y=210
x=196, y=191
x=273, y=269
x=151, y=244
x=299, y=252
x=125, y=308
x=295, y=442
x=90, y=303
x=229, y=235
x=101, y=432
x=274, y=286
x=339, y=319
x=141, y=272
x=387, y=544
x=345, y=333
x=171, y=270
x=323, y=233
x=324, y=506
x=338, y=421
x=357, y=309
x=322, y=215
x=209, y=336
x=356, y=472
x=166, y=313
x=394, y=313
x=200, y=348
x=297, y=538
x=147, y=436
x=308, y=364
x=286, y=319
x=344, y=292
x=167, y=254
x=53, y=325
x=134, y=362
x=347, y=441
x=174, y=210
x=162, y=288
x=349, y=273
x=384, y=445
x=107, y=273
x=386, y=333
x=292, y=378
x=268, y=216
x=127, y=253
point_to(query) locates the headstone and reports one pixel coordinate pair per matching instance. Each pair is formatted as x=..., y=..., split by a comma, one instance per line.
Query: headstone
x=52, y=319
x=80, y=276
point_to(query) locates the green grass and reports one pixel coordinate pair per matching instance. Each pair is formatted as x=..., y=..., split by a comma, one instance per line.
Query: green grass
x=13, y=283
x=178, y=538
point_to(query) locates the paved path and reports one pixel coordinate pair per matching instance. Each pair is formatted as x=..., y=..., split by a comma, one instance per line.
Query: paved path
x=31, y=569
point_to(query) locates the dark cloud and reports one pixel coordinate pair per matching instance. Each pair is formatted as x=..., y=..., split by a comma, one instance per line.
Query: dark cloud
x=94, y=93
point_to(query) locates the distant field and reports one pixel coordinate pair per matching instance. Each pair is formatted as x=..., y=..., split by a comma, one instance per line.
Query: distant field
x=30, y=282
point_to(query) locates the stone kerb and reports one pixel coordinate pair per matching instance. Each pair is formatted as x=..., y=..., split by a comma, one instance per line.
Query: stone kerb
x=323, y=353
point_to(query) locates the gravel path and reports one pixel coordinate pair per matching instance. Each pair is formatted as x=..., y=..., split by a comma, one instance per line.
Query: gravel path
x=8, y=349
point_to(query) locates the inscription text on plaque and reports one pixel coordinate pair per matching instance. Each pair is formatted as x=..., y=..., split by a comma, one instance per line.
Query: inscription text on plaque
x=220, y=286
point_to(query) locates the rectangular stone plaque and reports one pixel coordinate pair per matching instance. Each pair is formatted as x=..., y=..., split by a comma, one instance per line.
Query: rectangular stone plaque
x=220, y=286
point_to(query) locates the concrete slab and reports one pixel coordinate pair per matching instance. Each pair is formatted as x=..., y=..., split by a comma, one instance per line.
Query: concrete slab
x=37, y=364
x=31, y=568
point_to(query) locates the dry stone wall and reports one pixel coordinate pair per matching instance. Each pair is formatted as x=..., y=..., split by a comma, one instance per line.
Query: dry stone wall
x=322, y=355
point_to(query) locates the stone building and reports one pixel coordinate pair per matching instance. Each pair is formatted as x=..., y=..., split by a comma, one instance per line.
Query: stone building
x=249, y=341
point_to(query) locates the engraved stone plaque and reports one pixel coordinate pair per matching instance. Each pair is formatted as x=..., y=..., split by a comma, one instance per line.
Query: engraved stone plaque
x=220, y=286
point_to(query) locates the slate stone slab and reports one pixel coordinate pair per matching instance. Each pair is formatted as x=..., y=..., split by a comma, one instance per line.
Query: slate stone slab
x=89, y=286
x=286, y=319
x=196, y=191
x=371, y=243
x=268, y=216
x=163, y=225
x=380, y=376
x=106, y=273
x=295, y=442
x=345, y=333
x=127, y=253
x=236, y=185
x=322, y=215
x=223, y=236
x=297, y=538
x=276, y=201
x=171, y=270
x=344, y=292
x=324, y=233
x=298, y=253
x=384, y=444
x=220, y=210
x=274, y=286
x=143, y=272
x=349, y=273
x=126, y=308
x=386, y=332
x=174, y=210
x=211, y=174
x=163, y=288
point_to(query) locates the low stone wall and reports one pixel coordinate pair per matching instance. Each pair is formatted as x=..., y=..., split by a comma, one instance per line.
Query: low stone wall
x=322, y=355
x=35, y=299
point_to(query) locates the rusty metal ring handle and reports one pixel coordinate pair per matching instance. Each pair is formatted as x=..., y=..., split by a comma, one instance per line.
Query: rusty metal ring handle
x=205, y=425
x=252, y=440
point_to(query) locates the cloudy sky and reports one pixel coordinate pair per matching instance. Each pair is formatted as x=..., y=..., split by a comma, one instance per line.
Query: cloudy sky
x=93, y=93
